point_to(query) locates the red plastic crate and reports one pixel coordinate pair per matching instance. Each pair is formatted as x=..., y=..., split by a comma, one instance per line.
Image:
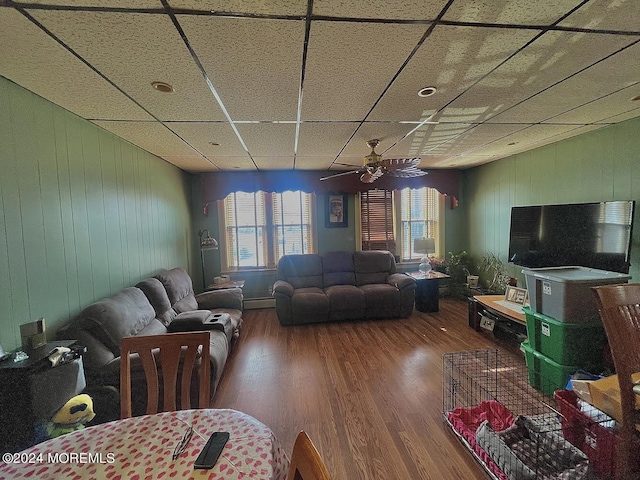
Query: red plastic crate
x=596, y=440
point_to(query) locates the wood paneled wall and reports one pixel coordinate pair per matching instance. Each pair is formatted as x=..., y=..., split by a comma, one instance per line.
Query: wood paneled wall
x=597, y=166
x=83, y=213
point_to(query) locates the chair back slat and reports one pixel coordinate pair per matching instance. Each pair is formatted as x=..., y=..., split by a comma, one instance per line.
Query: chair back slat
x=167, y=357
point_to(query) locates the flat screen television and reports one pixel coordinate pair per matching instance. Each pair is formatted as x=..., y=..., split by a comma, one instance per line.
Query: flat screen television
x=595, y=235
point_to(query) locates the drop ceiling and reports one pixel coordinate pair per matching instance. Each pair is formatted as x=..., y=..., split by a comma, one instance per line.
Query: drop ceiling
x=303, y=84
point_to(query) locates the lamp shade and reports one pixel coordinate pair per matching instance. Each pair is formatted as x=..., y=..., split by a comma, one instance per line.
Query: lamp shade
x=208, y=242
x=424, y=245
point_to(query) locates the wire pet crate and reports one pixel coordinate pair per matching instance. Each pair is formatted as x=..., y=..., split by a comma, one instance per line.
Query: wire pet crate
x=511, y=428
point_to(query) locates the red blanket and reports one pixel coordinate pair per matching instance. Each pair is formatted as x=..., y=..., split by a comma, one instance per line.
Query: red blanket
x=466, y=421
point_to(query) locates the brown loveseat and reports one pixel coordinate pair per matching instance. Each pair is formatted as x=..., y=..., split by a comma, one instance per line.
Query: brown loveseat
x=149, y=308
x=341, y=286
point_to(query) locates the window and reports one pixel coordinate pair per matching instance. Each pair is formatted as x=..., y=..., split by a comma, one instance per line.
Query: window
x=419, y=210
x=260, y=227
x=400, y=216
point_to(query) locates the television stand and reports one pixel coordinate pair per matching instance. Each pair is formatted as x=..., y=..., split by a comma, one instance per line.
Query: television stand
x=486, y=314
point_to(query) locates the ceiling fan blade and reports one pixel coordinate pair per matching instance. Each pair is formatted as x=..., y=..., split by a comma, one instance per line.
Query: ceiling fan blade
x=394, y=163
x=406, y=172
x=341, y=174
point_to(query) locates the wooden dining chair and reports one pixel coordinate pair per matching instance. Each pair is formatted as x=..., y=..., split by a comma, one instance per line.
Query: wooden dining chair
x=619, y=307
x=177, y=355
x=306, y=463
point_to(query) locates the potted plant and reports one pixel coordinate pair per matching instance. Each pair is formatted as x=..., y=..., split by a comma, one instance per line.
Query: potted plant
x=457, y=267
x=494, y=272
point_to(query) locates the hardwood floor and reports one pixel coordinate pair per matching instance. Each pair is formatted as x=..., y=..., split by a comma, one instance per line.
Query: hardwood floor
x=368, y=393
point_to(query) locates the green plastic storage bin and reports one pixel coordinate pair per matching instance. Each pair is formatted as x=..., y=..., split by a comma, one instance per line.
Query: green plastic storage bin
x=545, y=374
x=580, y=344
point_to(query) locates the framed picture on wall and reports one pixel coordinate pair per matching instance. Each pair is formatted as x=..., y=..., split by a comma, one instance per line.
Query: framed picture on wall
x=336, y=211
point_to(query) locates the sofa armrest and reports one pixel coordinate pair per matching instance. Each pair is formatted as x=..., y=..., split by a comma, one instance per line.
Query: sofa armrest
x=401, y=280
x=228, y=298
x=283, y=287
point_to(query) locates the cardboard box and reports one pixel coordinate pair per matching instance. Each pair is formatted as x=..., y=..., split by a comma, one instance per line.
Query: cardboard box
x=605, y=395
x=581, y=387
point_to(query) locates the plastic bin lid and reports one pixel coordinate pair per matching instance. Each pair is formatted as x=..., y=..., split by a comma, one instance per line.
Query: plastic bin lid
x=575, y=274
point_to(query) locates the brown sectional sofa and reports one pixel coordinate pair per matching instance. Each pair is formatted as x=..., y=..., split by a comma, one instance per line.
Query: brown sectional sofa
x=150, y=308
x=341, y=286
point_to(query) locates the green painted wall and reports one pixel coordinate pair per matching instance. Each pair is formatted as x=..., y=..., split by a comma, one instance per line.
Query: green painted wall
x=84, y=213
x=597, y=166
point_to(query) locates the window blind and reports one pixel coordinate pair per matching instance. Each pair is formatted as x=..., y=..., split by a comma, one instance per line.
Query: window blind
x=245, y=222
x=376, y=220
x=292, y=223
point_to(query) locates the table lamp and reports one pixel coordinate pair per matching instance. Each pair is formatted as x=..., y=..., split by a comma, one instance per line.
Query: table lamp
x=424, y=246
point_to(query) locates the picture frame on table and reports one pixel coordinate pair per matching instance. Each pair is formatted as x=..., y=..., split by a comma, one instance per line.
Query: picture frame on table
x=336, y=211
x=516, y=295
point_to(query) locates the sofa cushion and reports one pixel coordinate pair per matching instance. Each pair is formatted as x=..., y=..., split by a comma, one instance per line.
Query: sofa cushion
x=338, y=269
x=345, y=301
x=301, y=271
x=157, y=296
x=373, y=266
x=179, y=287
x=310, y=301
x=381, y=299
x=123, y=314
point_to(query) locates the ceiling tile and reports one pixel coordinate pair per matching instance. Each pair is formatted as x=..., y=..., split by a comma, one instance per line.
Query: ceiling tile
x=30, y=58
x=451, y=59
x=523, y=139
x=520, y=12
x=192, y=164
x=269, y=139
x=324, y=140
x=317, y=163
x=274, y=163
x=548, y=60
x=343, y=83
x=201, y=135
x=448, y=139
x=271, y=7
x=254, y=64
x=600, y=110
x=97, y=3
x=150, y=136
x=606, y=15
x=133, y=50
x=380, y=9
x=598, y=81
x=243, y=162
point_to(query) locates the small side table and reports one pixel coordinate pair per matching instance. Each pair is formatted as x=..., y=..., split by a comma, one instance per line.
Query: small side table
x=427, y=290
x=226, y=285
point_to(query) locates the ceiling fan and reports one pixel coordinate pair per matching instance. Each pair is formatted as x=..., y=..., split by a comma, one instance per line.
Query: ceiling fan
x=374, y=166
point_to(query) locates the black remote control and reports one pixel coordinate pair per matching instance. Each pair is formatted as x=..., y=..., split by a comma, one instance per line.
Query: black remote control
x=212, y=450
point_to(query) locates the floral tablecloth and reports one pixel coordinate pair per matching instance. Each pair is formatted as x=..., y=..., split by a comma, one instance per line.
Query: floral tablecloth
x=142, y=447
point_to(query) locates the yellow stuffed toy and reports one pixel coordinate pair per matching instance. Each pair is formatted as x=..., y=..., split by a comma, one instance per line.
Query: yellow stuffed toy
x=72, y=416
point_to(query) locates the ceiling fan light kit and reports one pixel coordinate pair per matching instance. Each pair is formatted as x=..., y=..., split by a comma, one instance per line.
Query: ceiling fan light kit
x=374, y=166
